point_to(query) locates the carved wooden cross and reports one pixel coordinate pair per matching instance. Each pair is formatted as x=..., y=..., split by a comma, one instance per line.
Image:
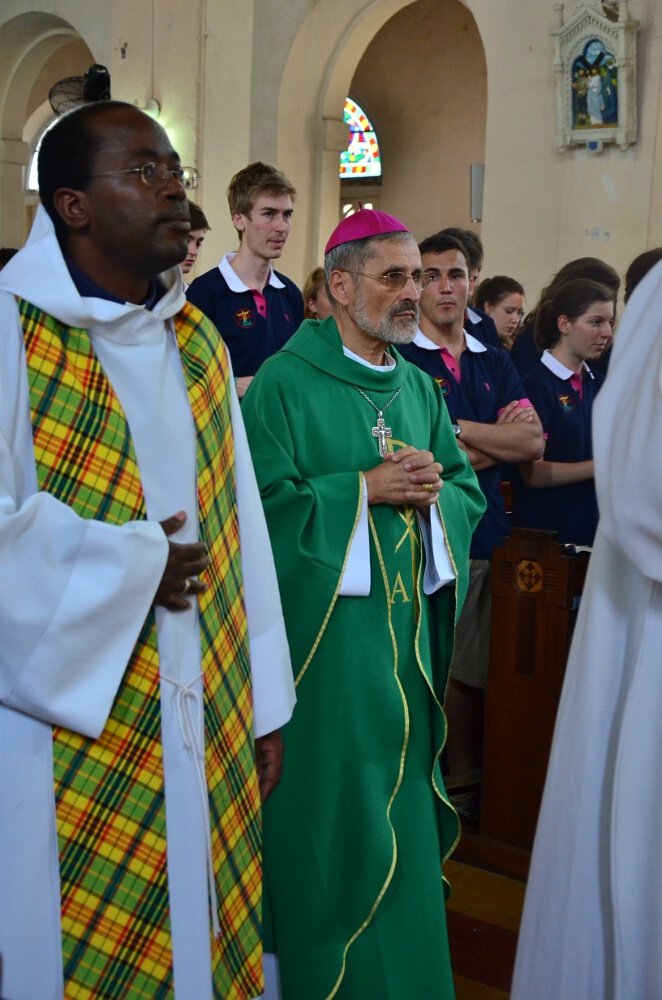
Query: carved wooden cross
x=381, y=432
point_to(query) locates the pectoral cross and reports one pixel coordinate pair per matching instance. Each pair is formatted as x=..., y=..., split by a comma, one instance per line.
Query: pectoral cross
x=381, y=432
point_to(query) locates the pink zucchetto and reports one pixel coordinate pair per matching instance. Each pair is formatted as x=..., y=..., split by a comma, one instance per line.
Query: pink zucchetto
x=363, y=225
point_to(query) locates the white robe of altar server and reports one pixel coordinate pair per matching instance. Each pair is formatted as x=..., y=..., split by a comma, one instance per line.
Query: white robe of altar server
x=74, y=596
x=592, y=922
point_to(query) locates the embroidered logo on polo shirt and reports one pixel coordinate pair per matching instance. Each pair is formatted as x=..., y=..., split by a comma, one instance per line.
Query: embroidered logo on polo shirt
x=443, y=385
x=567, y=403
x=245, y=318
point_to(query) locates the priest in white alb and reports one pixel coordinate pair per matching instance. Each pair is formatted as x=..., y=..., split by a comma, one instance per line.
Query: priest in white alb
x=144, y=669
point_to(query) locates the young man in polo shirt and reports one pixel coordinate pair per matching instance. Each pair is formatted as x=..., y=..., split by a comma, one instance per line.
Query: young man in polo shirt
x=476, y=322
x=494, y=423
x=255, y=308
x=196, y=237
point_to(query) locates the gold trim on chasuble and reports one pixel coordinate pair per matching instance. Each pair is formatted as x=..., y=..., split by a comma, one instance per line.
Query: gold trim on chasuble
x=444, y=797
x=403, y=754
x=441, y=795
x=109, y=791
x=409, y=517
x=392, y=445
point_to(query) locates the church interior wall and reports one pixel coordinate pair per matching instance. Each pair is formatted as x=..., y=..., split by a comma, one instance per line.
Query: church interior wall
x=448, y=83
x=225, y=115
x=542, y=207
x=608, y=200
x=268, y=64
x=523, y=188
x=315, y=81
x=430, y=115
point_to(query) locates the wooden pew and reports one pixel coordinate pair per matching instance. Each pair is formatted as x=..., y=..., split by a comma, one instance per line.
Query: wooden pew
x=536, y=587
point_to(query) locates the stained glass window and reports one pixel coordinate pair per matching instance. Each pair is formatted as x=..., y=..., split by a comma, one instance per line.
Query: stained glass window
x=361, y=158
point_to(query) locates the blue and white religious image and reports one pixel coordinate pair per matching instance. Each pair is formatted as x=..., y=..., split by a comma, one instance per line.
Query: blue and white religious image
x=594, y=87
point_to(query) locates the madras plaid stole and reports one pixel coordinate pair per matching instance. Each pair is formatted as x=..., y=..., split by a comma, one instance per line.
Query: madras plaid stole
x=109, y=792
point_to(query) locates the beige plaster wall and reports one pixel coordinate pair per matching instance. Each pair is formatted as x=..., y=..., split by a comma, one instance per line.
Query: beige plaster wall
x=543, y=208
x=225, y=115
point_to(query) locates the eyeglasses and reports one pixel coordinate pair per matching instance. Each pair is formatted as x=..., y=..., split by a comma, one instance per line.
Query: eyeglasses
x=155, y=175
x=395, y=280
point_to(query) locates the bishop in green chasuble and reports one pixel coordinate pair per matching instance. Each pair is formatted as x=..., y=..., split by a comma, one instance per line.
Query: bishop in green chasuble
x=355, y=837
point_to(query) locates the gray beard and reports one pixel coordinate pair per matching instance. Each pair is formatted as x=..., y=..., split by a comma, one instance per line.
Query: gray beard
x=391, y=329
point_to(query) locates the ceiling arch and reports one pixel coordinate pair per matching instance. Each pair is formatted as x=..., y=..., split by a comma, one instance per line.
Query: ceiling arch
x=326, y=51
x=33, y=41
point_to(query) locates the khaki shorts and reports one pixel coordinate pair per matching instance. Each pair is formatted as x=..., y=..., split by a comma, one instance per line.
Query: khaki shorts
x=472, y=636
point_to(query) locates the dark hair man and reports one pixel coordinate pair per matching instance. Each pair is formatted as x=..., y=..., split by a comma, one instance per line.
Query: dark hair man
x=128, y=788
x=476, y=322
x=493, y=423
x=196, y=236
x=363, y=486
x=473, y=245
x=255, y=307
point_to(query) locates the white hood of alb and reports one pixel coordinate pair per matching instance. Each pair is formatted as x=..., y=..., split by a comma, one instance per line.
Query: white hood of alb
x=39, y=274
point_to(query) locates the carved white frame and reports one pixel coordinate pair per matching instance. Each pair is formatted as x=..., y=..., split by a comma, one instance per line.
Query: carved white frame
x=620, y=37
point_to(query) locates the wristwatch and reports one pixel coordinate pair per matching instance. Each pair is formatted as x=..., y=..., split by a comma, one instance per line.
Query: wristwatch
x=457, y=430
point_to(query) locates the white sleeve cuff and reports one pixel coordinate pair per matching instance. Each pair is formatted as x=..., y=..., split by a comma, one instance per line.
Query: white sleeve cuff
x=273, y=686
x=355, y=581
x=438, y=565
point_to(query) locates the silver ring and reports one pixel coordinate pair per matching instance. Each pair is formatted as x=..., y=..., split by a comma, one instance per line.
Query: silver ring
x=187, y=586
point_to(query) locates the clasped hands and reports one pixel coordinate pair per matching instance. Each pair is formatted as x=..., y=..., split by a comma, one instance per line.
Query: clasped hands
x=408, y=476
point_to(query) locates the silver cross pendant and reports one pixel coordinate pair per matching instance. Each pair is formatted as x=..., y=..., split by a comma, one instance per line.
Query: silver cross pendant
x=381, y=432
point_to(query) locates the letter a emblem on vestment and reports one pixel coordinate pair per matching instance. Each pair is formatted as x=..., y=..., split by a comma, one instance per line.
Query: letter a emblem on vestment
x=399, y=588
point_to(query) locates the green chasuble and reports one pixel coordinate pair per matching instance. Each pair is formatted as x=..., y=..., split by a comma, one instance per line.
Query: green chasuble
x=355, y=835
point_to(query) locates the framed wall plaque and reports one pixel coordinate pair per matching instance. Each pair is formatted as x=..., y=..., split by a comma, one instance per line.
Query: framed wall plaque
x=596, y=72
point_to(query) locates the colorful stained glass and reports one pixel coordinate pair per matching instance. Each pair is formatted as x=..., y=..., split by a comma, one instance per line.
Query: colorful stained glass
x=361, y=158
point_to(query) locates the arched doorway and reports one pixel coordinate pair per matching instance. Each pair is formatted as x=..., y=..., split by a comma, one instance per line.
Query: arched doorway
x=418, y=70
x=424, y=79
x=39, y=49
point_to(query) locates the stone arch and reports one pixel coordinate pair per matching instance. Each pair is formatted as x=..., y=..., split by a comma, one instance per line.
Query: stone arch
x=325, y=53
x=38, y=49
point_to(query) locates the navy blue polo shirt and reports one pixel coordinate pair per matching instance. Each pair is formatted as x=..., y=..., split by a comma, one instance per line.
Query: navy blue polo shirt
x=254, y=326
x=570, y=510
x=488, y=382
x=525, y=354
x=481, y=326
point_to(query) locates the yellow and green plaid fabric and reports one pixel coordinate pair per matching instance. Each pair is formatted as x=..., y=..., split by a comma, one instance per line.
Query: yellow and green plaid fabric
x=109, y=792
